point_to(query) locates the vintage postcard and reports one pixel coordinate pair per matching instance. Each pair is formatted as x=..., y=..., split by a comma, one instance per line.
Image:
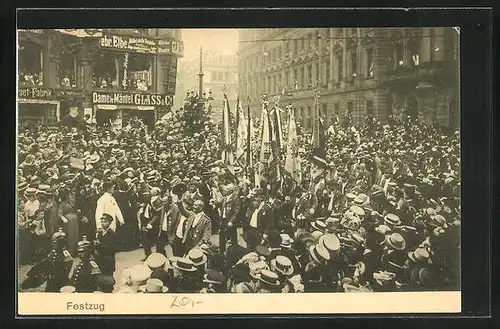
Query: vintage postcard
x=190, y=171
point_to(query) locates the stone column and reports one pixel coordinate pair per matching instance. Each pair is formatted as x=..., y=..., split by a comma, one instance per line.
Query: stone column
x=345, y=60
x=425, y=55
x=381, y=104
x=51, y=59
x=439, y=44
x=332, y=57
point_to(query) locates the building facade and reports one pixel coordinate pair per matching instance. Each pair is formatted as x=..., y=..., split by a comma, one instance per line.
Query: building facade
x=110, y=74
x=358, y=71
x=219, y=71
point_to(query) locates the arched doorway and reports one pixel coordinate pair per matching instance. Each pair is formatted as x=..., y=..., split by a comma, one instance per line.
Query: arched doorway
x=412, y=107
x=453, y=113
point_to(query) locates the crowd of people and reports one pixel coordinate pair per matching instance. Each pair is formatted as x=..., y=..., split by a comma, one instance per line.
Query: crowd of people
x=383, y=216
x=30, y=78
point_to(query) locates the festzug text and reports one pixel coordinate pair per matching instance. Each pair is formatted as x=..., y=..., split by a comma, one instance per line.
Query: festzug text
x=84, y=307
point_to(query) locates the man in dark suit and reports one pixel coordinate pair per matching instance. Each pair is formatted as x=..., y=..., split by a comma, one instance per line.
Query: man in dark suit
x=198, y=227
x=170, y=216
x=106, y=245
x=206, y=190
x=150, y=218
x=230, y=209
x=259, y=216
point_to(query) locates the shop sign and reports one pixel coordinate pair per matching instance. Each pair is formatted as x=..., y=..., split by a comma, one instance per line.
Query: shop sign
x=141, y=45
x=45, y=93
x=136, y=99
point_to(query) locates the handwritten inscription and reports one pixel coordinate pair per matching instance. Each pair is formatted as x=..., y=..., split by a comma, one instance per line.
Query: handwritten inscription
x=184, y=302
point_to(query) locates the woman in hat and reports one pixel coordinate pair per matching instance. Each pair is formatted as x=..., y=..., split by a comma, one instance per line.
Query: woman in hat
x=32, y=204
x=39, y=239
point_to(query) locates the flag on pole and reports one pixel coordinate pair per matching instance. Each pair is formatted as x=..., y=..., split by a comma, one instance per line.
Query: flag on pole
x=249, y=154
x=292, y=161
x=265, y=144
x=274, y=173
x=227, y=154
x=242, y=136
x=318, y=142
x=277, y=131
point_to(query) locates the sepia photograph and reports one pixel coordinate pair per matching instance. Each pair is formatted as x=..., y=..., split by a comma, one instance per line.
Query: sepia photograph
x=196, y=163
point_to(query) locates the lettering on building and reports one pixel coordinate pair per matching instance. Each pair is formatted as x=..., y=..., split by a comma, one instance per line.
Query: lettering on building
x=137, y=99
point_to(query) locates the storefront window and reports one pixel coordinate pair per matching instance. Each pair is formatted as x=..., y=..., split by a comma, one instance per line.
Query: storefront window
x=30, y=64
x=123, y=72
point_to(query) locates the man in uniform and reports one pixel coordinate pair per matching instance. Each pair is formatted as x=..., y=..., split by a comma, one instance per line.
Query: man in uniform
x=83, y=275
x=54, y=268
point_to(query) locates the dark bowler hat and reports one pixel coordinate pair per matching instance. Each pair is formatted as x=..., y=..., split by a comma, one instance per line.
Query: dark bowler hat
x=214, y=277
x=263, y=251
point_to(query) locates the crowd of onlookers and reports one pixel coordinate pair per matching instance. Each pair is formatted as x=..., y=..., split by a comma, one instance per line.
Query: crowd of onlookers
x=383, y=216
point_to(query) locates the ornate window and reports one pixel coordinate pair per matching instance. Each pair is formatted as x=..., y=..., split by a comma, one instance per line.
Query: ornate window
x=369, y=63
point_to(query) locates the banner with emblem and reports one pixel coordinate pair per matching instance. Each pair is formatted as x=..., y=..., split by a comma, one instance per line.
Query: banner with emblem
x=227, y=153
x=292, y=161
x=241, y=135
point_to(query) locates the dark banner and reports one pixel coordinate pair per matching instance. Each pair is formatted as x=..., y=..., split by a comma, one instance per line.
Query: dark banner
x=138, y=99
x=46, y=93
x=141, y=45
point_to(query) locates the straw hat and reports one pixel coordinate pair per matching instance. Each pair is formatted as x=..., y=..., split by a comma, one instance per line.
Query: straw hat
x=392, y=220
x=197, y=256
x=420, y=255
x=357, y=210
x=156, y=260
x=269, y=278
x=283, y=265
x=153, y=286
x=68, y=289
x=139, y=274
x=331, y=242
x=318, y=225
x=286, y=241
x=395, y=241
x=319, y=253
x=184, y=264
